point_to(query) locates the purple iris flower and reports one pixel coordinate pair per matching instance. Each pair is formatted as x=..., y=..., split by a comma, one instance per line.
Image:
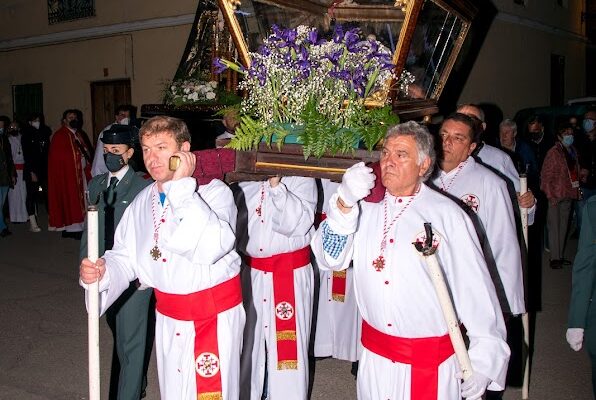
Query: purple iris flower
x=219, y=66
x=334, y=57
x=352, y=40
x=338, y=33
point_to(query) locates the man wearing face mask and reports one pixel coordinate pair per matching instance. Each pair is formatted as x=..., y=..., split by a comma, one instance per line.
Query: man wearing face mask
x=128, y=317
x=559, y=180
x=123, y=116
x=36, y=145
x=69, y=169
x=587, y=163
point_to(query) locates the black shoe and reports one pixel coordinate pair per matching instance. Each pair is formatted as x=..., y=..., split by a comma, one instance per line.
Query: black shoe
x=556, y=264
x=5, y=232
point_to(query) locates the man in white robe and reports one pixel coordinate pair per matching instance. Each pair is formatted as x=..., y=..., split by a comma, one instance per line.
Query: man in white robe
x=180, y=241
x=500, y=161
x=278, y=286
x=483, y=192
x=17, y=195
x=407, y=352
x=338, y=328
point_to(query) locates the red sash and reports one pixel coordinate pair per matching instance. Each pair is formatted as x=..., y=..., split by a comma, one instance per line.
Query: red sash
x=338, y=282
x=423, y=354
x=19, y=167
x=282, y=267
x=202, y=307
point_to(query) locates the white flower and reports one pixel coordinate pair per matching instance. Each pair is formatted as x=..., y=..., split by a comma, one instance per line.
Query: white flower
x=210, y=96
x=213, y=84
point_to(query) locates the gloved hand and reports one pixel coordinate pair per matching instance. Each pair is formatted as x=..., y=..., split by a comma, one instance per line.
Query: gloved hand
x=474, y=387
x=356, y=184
x=575, y=338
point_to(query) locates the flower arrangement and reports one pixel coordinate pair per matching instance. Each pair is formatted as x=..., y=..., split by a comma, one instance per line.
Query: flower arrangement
x=316, y=88
x=196, y=91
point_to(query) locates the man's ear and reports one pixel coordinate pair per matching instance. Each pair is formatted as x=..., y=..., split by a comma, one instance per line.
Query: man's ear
x=424, y=166
x=185, y=146
x=483, y=126
x=471, y=149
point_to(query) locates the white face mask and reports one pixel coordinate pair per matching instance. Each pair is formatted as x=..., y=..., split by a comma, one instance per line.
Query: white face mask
x=35, y=124
x=124, y=121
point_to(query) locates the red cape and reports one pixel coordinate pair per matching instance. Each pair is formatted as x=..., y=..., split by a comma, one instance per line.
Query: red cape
x=66, y=190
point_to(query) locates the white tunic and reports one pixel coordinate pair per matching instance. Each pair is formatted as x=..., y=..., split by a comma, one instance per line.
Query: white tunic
x=400, y=300
x=285, y=225
x=486, y=194
x=17, y=195
x=197, y=252
x=339, y=323
x=502, y=162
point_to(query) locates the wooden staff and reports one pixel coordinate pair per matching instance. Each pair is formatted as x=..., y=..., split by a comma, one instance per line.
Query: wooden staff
x=93, y=304
x=523, y=182
x=436, y=276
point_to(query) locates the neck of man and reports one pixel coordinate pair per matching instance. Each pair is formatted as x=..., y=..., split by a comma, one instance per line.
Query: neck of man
x=408, y=190
x=447, y=166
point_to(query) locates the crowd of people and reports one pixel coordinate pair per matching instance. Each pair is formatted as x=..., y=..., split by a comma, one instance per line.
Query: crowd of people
x=235, y=270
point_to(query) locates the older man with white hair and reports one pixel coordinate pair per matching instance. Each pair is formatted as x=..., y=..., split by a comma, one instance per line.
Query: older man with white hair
x=407, y=352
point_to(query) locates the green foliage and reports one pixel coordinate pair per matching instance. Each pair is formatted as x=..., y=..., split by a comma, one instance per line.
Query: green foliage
x=370, y=126
x=248, y=134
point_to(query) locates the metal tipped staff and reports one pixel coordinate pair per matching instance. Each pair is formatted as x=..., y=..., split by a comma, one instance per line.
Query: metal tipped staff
x=436, y=275
x=93, y=304
x=523, y=181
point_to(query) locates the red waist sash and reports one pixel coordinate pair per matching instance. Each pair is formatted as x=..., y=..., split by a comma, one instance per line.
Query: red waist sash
x=282, y=267
x=423, y=354
x=19, y=167
x=202, y=307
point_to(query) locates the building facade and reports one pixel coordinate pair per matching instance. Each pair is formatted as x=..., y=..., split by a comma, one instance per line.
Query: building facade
x=128, y=51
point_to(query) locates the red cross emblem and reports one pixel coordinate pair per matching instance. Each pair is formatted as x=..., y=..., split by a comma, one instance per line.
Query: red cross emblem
x=284, y=310
x=207, y=365
x=471, y=201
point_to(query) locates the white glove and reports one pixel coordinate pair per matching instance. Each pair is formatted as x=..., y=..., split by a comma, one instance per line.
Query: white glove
x=575, y=338
x=474, y=387
x=356, y=184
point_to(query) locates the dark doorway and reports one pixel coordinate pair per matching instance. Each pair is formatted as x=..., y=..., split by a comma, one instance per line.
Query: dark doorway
x=26, y=99
x=557, y=80
x=105, y=97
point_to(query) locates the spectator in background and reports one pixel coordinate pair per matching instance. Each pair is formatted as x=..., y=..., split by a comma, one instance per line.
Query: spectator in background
x=69, y=169
x=7, y=171
x=36, y=145
x=537, y=139
x=520, y=152
x=587, y=162
x=122, y=116
x=559, y=180
x=17, y=195
x=230, y=121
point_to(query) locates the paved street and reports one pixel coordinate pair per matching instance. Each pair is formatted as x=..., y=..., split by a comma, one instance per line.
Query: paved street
x=43, y=331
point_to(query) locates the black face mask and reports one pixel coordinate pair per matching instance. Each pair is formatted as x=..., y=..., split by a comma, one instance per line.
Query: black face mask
x=114, y=162
x=74, y=124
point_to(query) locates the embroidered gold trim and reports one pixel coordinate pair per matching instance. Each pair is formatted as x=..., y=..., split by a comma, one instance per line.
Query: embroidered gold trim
x=286, y=335
x=210, y=396
x=338, y=297
x=287, y=365
x=340, y=274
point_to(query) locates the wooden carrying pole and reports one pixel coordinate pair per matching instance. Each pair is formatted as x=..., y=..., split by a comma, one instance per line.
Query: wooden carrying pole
x=436, y=276
x=523, y=181
x=93, y=304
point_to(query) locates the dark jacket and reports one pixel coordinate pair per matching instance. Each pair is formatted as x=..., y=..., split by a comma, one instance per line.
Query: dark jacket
x=36, y=146
x=126, y=190
x=7, y=169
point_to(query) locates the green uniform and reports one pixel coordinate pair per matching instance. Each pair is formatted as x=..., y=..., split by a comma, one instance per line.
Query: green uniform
x=128, y=316
x=582, y=312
